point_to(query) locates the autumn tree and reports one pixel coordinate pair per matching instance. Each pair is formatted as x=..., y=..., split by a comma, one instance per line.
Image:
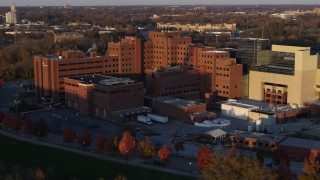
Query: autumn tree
x=99, y=142
x=177, y=145
x=127, y=145
x=235, y=166
x=7, y=120
x=16, y=123
x=146, y=148
x=283, y=172
x=1, y=83
x=164, y=154
x=68, y=134
x=311, y=168
x=28, y=129
x=41, y=128
x=205, y=157
x=84, y=139
x=112, y=144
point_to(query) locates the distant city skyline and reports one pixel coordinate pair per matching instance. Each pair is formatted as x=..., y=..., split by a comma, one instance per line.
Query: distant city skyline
x=150, y=2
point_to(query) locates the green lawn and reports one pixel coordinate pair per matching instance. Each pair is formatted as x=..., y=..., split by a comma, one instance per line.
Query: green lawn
x=67, y=165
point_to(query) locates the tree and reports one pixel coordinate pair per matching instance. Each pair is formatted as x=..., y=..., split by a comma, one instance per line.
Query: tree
x=68, y=134
x=177, y=145
x=164, y=154
x=41, y=128
x=1, y=83
x=84, y=139
x=100, y=142
x=7, y=120
x=127, y=145
x=39, y=175
x=205, y=157
x=235, y=166
x=16, y=123
x=283, y=172
x=146, y=148
x=112, y=144
x=28, y=126
x=2, y=115
x=311, y=168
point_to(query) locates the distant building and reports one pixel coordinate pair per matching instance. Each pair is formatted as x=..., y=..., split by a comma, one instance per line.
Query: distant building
x=197, y=27
x=291, y=77
x=11, y=17
x=252, y=51
x=67, y=6
x=67, y=36
x=105, y=97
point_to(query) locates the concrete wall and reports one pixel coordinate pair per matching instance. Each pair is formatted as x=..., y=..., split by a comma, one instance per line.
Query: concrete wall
x=265, y=118
x=235, y=111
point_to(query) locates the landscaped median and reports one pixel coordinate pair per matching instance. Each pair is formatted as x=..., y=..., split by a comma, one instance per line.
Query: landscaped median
x=67, y=162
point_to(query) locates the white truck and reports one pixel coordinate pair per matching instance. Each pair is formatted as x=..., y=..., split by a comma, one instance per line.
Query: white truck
x=144, y=119
x=158, y=118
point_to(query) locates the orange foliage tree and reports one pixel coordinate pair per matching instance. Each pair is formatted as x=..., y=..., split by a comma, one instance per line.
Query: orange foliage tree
x=164, y=154
x=205, y=157
x=127, y=145
x=68, y=134
x=41, y=128
x=28, y=126
x=311, y=168
x=99, y=142
x=146, y=148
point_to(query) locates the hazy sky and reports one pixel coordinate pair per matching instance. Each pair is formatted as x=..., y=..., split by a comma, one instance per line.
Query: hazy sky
x=150, y=2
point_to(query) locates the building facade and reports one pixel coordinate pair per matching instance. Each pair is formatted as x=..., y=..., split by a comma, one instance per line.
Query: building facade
x=291, y=77
x=104, y=96
x=50, y=71
x=183, y=82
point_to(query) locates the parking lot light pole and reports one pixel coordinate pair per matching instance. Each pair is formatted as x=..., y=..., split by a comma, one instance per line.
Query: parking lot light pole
x=190, y=168
x=127, y=156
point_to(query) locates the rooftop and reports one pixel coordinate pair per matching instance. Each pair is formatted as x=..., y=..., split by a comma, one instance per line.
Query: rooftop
x=102, y=80
x=215, y=52
x=181, y=102
x=237, y=104
x=301, y=143
x=259, y=136
x=285, y=67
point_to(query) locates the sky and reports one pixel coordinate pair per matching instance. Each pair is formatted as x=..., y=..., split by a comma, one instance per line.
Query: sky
x=151, y=2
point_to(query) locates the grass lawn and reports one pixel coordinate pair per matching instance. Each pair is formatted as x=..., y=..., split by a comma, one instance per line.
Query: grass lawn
x=67, y=165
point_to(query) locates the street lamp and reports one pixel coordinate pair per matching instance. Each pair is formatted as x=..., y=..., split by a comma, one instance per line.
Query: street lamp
x=83, y=145
x=190, y=167
x=127, y=156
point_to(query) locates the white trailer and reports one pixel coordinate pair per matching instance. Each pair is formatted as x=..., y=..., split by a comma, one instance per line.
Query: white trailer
x=158, y=118
x=144, y=119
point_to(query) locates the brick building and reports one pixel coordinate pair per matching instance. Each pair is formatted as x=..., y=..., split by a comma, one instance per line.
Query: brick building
x=105, y=96
x=223, y=75
x=255, y=140
x=299, y=148
x=220, y=76
x=123, y=58
x=183, y=82
x=182, y=110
